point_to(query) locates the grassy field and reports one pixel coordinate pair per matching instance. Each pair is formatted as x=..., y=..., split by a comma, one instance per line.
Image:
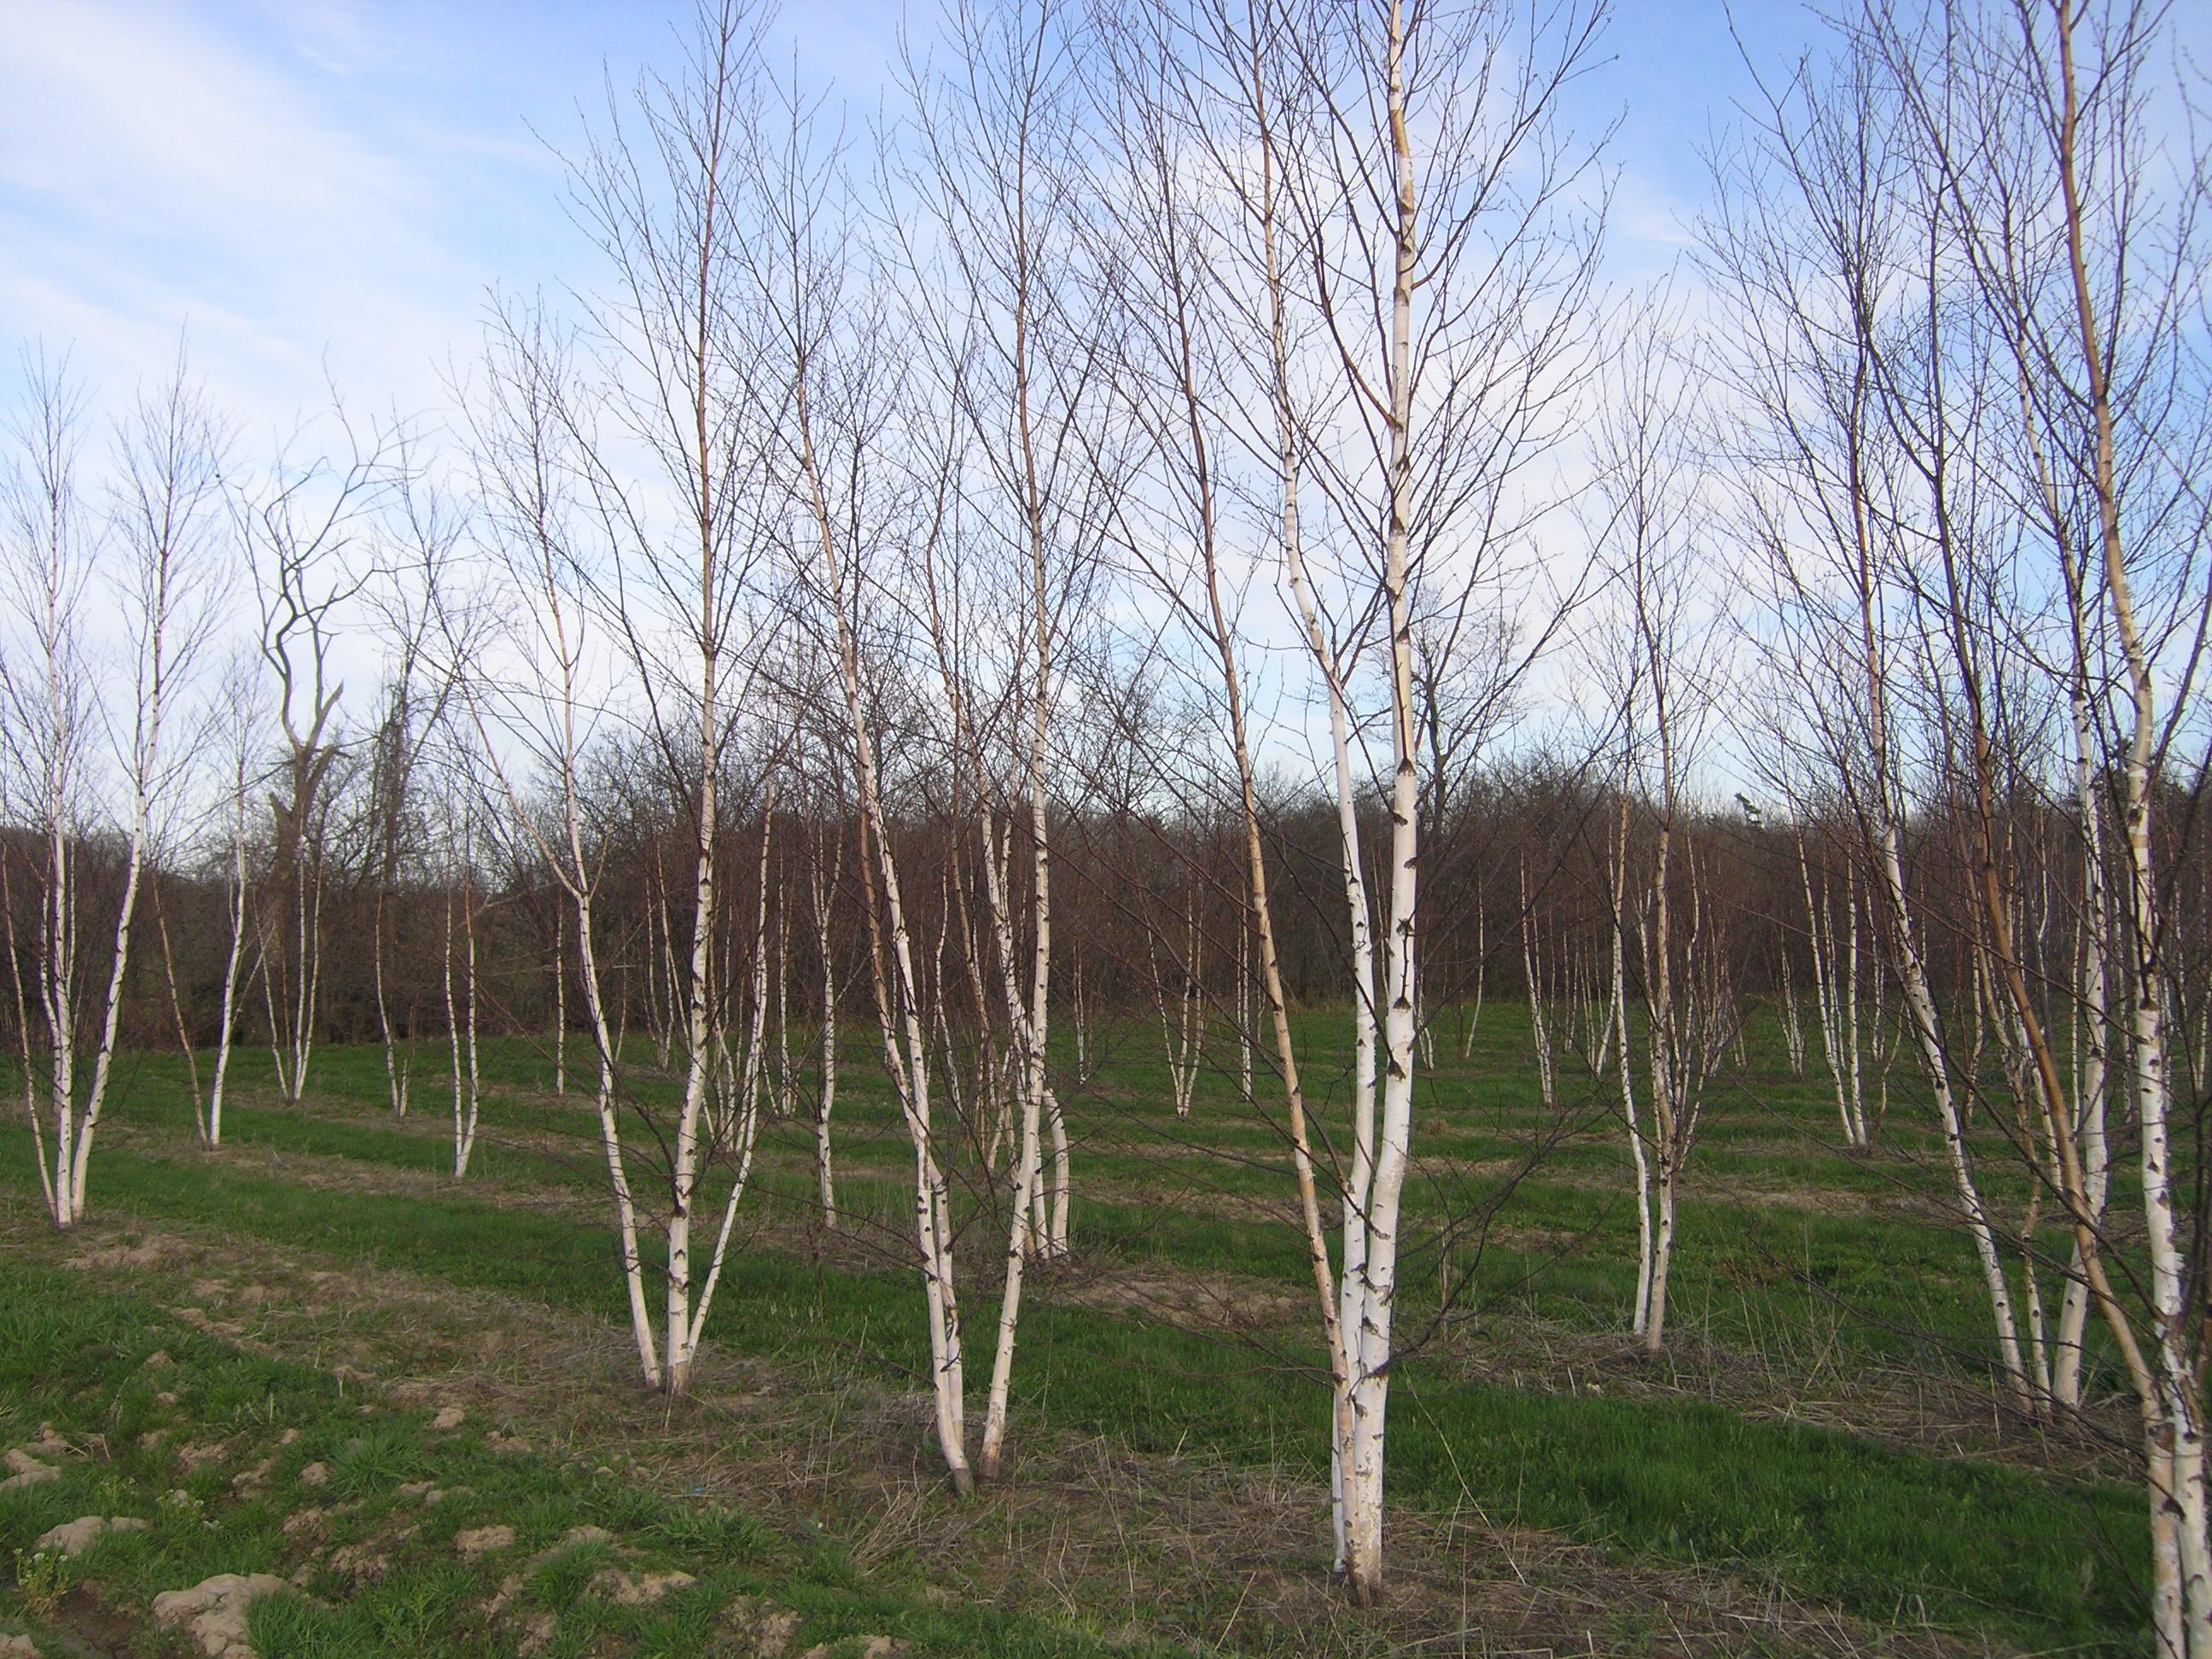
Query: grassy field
x=1820, y=1463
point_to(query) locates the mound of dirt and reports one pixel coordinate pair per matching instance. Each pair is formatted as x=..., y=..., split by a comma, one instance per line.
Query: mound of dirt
x=213, y=1611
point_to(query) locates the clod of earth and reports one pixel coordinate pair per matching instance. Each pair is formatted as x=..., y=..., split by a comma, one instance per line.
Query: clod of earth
x=449, y=1417
x=247, y=1481
x=363, y=1561
x=26, y=1470
x=473, y=1542
x=613, y=1584
x=300, y=1521
x=770, y=1628
x=213, y=1611
x=75, y=1537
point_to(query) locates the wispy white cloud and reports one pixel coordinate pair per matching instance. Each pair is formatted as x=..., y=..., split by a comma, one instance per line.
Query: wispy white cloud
x=137, y=114
x=158, y=175
x=303, y=183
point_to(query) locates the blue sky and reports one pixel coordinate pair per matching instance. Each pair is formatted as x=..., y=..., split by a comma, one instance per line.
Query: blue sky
x=304, y=186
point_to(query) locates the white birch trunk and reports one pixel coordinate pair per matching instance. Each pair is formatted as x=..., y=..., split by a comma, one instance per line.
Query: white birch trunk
x=785, y=1080
x=211, y=1123
x=1175, y=1029
x=1244, y=1009
x=560, y=1006
x=1370, y=1337
x=461, y=1029
x=604, y=1096
x=1793, y=1029
x=826, y=1098
x=1854, y=1049
x=1920, y=1013
x=1828, y=992
x=2094, y=949
x=898, y=1001
x=1031, y=1032
x=1540, y=1029
x=24, y=1056
x=1640, y=1312
x=701, y=1032
x=1474, y=1015
x=57, y=985
x=396, y=1071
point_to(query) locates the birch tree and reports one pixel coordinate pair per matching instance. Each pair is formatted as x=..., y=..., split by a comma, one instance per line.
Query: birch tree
x=1012, y=322
x=1648, y=488
x=2010, y=375
x=825, y=873
x=1448, y=264
x=155, y=550
x=661, y=190
x=411, y=704
x=1414, y=267
x=464, y=849
x=847, y=505
x=534, y=691
x=241, y=733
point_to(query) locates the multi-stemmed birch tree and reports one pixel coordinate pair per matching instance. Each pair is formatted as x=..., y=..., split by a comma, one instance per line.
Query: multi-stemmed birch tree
x=307, y=527
x=411, y=704
x=1008, y=305
x=86, y=716
x=1809, y=220
x=1440, y=216
x=1646, y=513
x=675, y=474
x=862, y=474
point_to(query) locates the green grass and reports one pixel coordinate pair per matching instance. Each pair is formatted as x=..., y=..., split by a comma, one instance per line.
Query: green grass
x=1887, y=1286
x=78, y=1360
x=1833, y=1517
x=1882, y=1532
